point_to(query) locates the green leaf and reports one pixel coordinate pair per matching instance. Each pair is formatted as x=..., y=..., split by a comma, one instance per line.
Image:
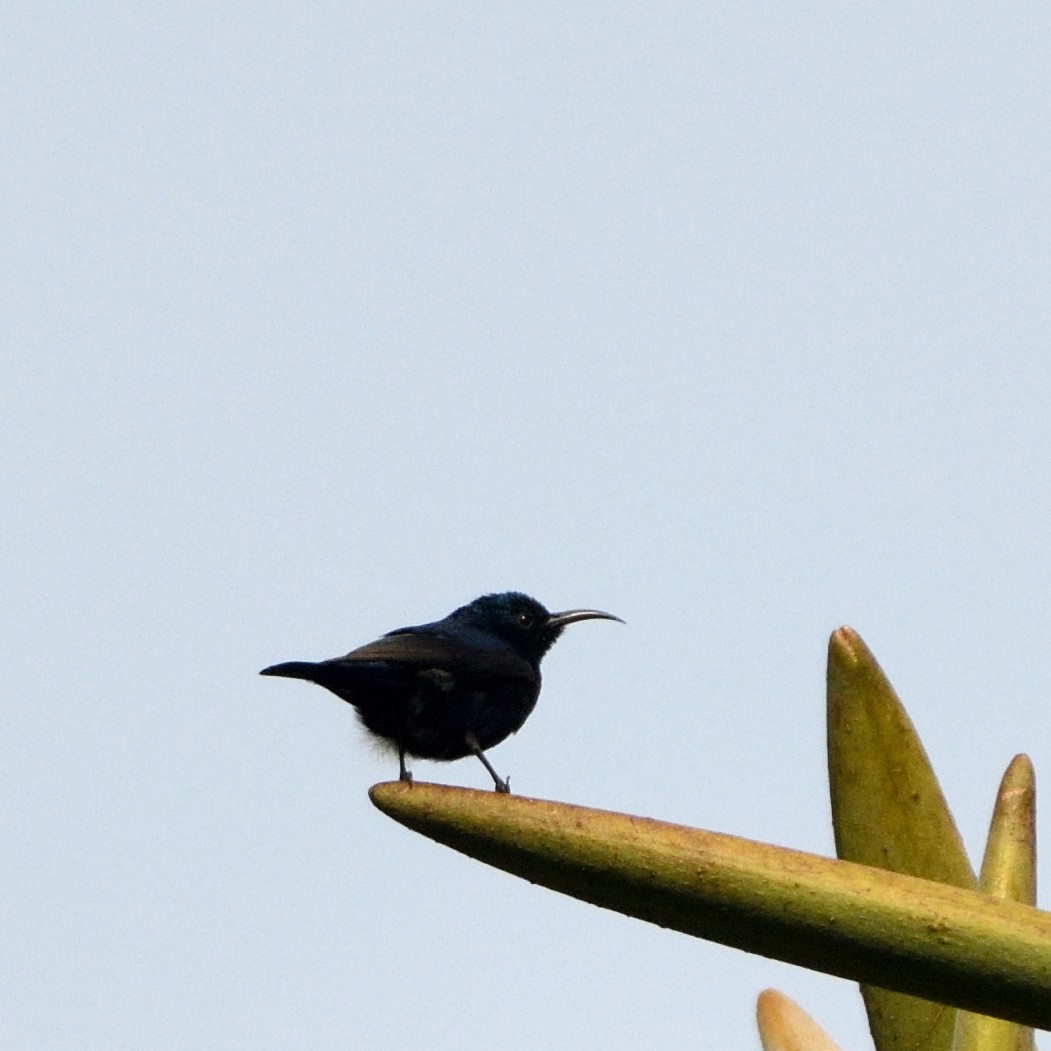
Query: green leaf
x=888, y=810
x=1008, y=872
x=927, y=939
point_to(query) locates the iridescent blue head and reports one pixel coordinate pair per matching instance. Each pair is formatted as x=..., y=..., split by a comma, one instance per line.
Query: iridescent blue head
x=522, y=621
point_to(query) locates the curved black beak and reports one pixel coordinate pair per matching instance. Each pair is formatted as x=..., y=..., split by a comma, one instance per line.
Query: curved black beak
x=571, y=616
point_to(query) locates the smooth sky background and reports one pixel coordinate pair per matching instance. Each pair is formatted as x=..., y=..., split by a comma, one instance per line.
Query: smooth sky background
x=323, y=319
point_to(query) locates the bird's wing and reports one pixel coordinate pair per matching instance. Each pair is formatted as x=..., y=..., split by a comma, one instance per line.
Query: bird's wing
x=428, y=650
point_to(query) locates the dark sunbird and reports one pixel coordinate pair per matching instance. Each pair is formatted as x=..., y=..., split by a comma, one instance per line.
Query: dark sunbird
x=452, y=688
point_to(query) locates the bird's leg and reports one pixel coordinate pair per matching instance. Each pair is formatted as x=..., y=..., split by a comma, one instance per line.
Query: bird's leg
x=404, y=773
x=498, y=781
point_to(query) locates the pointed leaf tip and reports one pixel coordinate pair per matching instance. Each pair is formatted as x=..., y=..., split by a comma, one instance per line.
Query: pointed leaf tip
x=1019, y=776
x=1009, y=865
x=393, y=796
x=785, y=1026
x=847, y=645
x=851, y=664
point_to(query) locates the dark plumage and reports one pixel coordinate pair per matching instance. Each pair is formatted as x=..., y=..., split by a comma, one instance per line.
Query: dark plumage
x=452, y=688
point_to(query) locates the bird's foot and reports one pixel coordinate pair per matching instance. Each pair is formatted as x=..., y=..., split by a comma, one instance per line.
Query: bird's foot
x=502, y=786
x=406, y=776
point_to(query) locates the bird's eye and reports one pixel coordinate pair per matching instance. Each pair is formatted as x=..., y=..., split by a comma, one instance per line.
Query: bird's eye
x=525, y=618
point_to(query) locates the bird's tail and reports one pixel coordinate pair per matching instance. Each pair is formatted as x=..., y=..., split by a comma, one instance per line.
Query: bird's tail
x=333, y=675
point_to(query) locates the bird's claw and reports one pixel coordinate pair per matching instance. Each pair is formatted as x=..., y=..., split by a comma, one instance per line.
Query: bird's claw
x=406, y=776
x=503, y=787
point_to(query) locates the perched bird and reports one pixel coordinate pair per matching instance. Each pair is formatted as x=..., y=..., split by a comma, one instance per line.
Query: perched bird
x=452, y=688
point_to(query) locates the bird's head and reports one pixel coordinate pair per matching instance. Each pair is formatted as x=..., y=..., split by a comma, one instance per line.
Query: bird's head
x=522, y=621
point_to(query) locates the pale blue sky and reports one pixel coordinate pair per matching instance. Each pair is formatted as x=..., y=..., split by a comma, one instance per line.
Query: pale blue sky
x=322, y=320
